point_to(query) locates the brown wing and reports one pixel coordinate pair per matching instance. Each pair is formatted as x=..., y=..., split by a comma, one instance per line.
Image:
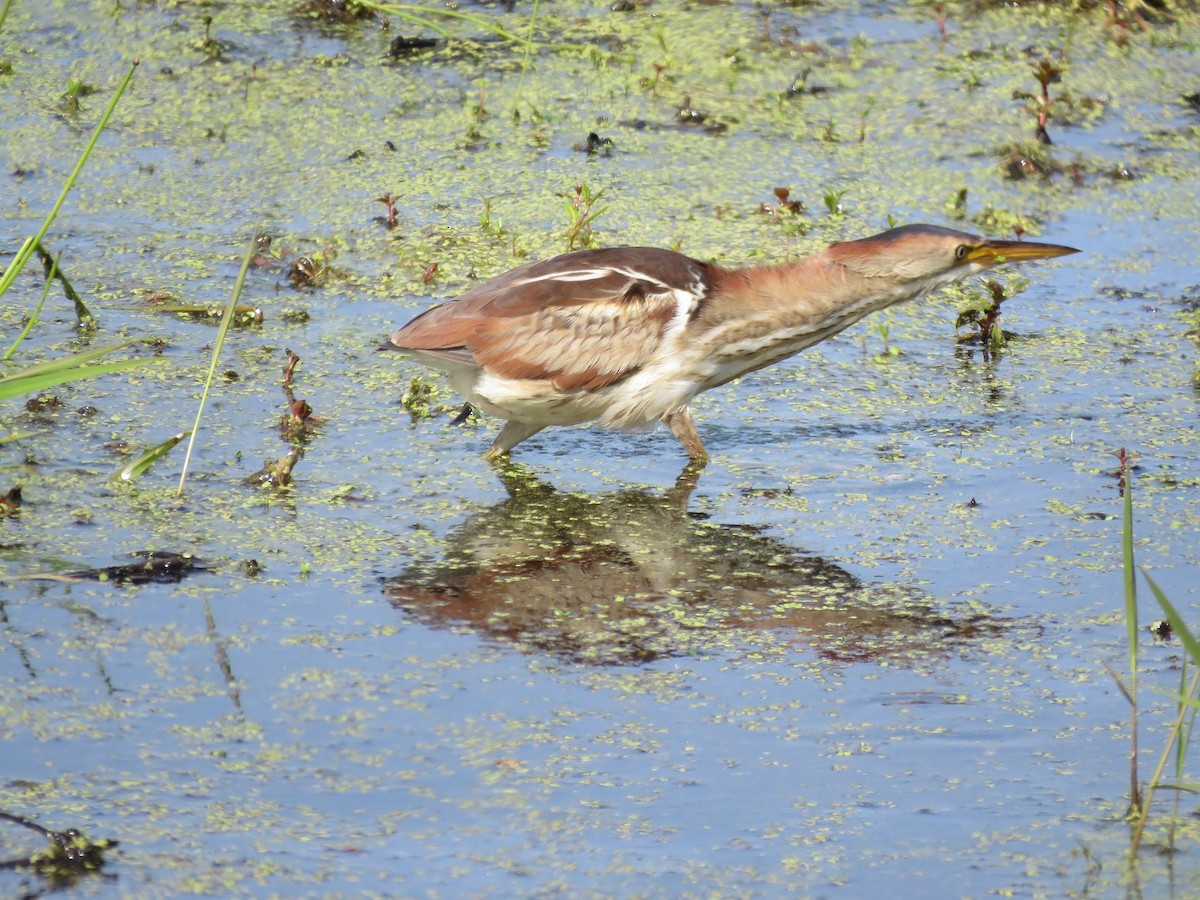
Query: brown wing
x=580, y=320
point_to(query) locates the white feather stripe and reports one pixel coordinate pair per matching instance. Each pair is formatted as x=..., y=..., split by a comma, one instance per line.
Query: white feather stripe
x=593, y=273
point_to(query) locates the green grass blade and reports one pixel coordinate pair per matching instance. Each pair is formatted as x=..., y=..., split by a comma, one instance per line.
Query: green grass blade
x=1178, y=625
x=428, y=16
x=16, y=387
x=528, y=54
x=1129, y=575
x=1191, y=787
x=67, y=362
x=33, y=318
x=1174, y=736
x=222, y=331
x=419, y=21
x=18, y=261
x=1180, y=699
x=1186, y=702
x=69, y=368
x=133, y=469
x=22, y=257
x=1187, y=727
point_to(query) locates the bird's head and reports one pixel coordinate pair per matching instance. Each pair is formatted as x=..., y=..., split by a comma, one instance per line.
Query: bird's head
x=929, y=255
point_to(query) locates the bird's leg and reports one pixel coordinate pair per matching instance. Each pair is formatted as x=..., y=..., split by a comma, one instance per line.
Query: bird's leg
x=510, y=435
x=681, y=425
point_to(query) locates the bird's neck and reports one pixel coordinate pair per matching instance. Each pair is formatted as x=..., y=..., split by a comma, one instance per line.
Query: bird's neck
x=817, y=288
x=756, y=316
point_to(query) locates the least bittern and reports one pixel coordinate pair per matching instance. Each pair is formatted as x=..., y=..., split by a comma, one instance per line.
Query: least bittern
x=630, y=335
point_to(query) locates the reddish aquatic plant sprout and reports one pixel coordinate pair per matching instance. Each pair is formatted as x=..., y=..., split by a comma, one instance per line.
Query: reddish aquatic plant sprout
x=389, y=203
x=293, y=360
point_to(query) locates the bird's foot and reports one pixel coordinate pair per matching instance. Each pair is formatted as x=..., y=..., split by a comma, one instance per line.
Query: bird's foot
x=681, y=425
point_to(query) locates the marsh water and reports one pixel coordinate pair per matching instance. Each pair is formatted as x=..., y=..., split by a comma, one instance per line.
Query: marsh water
x=861, y=653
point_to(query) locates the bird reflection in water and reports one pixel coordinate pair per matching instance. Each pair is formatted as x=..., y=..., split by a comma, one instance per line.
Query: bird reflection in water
x=631, y=576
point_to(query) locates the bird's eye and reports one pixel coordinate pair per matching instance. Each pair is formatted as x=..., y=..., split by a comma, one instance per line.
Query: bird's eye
x=960, y=252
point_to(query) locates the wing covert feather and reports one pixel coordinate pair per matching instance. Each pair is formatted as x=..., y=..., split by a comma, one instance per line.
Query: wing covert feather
x=581, y=320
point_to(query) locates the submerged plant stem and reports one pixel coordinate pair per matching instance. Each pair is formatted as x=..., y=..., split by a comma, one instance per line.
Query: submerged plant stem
x=83, y=315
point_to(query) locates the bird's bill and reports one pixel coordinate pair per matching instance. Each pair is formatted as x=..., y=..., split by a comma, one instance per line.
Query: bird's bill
x=989, y=253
